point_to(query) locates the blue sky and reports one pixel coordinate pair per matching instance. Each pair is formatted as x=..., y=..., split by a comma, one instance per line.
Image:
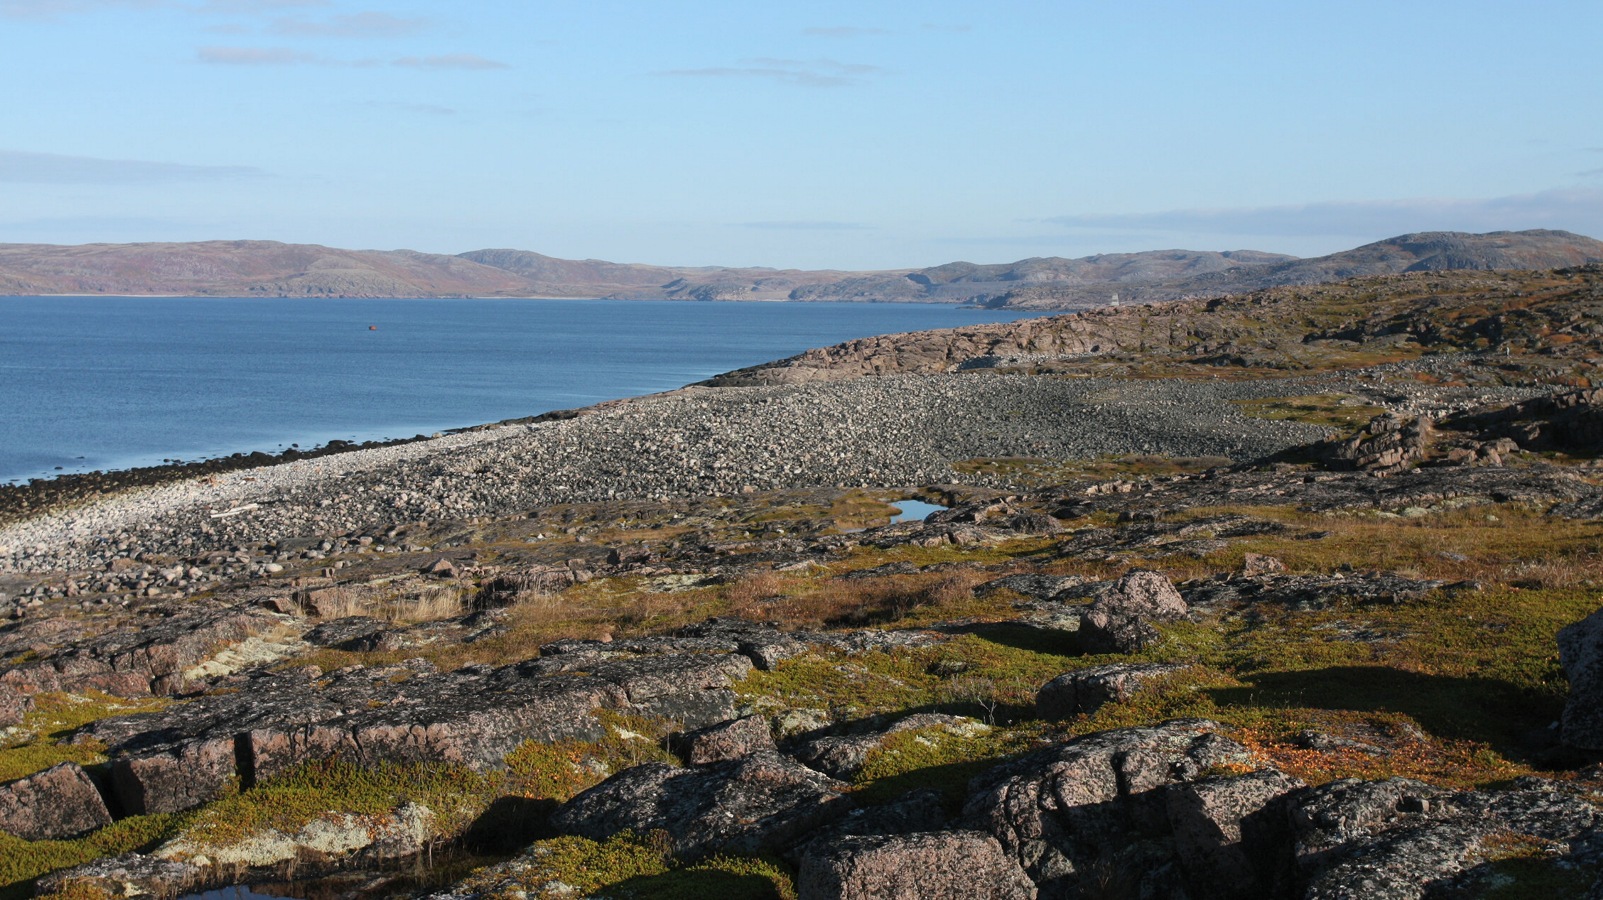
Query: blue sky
x=828, y=134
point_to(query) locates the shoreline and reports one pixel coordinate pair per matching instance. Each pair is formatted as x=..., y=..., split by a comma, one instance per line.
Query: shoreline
x=901, y=430
x=20, y=501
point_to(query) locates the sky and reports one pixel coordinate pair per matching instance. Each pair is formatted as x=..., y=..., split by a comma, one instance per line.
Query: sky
x=870, y=134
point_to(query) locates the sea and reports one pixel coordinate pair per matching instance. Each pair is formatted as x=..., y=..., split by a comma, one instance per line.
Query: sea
x=103, y=383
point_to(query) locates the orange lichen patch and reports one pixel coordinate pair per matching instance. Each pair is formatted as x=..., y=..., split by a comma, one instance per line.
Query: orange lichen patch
x=1449, y=764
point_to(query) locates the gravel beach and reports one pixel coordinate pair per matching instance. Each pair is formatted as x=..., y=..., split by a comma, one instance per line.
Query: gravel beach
x=892, y=431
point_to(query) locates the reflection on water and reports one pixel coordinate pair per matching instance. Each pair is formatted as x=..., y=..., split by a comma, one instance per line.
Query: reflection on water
x=398, y=879
x=914, y=510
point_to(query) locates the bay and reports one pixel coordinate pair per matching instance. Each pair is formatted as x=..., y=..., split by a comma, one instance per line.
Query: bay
x=109, y=383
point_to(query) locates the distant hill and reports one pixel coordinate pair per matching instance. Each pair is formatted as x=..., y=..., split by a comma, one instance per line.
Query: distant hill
x=1423, y=252
x=272, y=269
x=245, y=269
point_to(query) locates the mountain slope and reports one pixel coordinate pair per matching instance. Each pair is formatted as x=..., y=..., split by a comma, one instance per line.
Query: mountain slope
x=244, y=268
x=273, y=269
x=1424, y=251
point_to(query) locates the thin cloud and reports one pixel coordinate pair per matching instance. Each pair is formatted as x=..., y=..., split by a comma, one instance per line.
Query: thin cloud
x=806, y=73
x=21, y=167
x=1589, y=173
x=427, y=109
x=358, y=25
x=1562, y=208
x=254, y=6
x=450, y=61
x=807, y=225
x=256, y=56
x=843, y=31
x=50, y=9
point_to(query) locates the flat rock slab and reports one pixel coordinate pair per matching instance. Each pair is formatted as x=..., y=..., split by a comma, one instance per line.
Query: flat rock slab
x=1402, y=840
x=1086, y=690
x=148, y=658
x=60, y=802
x=130, y=875
x=763, y=802
x=727, y=740
x=1309, y=592
x=921, y=866
x=843, y=756
x=474, y=716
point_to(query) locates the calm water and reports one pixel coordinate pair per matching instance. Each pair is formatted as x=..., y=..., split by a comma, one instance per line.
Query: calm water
x=108, y=383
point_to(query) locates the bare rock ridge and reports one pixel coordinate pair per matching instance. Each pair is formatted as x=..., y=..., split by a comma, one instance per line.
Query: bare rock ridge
x=272, y=269
x=1285, y=329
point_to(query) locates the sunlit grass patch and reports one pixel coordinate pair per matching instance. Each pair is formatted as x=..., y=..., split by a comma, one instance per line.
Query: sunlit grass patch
x=44, y=737
x=22, y=861
x=1337, y=412
x=627, y=865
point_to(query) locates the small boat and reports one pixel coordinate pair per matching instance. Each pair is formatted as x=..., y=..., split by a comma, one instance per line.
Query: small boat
x=372, y=328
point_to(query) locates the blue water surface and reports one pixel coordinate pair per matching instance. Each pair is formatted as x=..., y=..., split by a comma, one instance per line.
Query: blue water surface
x=109, y=383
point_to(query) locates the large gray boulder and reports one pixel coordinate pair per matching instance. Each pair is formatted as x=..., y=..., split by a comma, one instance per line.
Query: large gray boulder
x=1402, y=840
x=1087, y=690
x=1121, y=618
x=1580, y=652
x=1231, y=834
x=763, y=802
x=60, y=802
x=922, y=866
x=1094, y=814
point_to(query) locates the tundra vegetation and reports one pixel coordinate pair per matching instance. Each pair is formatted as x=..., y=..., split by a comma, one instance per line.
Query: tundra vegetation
x=1382, y=604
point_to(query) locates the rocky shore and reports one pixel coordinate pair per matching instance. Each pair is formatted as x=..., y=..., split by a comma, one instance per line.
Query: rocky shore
x=896, y=430
x=1243, y=630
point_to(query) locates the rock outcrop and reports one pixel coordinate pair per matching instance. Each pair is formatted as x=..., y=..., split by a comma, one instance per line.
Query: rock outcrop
x=762, y=802
x=1580, y=651
x=912, y=867
x=60, y=802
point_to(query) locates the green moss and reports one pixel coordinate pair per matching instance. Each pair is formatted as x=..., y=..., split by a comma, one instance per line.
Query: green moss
x=971, y=674
x=294, y=799
x=47, y=731
x=22, y=861
x=1335, y=411
x=629, y=866
x=559, y=770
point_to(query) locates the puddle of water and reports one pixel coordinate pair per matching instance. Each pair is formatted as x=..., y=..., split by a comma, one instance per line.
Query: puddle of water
x=913, y=510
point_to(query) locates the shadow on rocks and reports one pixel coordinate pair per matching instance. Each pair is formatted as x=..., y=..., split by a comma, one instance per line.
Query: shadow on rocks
x=1510, y=720
x=510, y=824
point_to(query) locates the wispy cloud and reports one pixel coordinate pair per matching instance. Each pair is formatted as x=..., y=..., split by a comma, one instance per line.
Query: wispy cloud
x=450, y=61
x=1562, y=208
x=50, y=9
x=807, y=225
x=256, y=6
x=1589, y=173
x=806, y=73
x=257, y=56
x=21, y=167
x=427, y=109
x=285, y=56
x=357, y=25
x=843, y=31
x=949, y=29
